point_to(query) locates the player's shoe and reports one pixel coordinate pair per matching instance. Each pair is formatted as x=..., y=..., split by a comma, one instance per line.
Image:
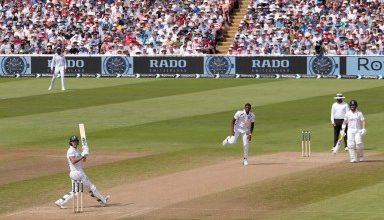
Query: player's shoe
x=225, y=142
x=245, y=162
x=107, y=198
x=60, y=205
x=62, y=89
x=346, y=148
x=361, y=159
x=50, y=88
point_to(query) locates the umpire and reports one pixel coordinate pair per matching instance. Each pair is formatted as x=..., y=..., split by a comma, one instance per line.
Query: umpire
x=338, y=111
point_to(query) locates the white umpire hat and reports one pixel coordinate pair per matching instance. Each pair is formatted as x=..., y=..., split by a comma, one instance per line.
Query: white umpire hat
x=339, y=96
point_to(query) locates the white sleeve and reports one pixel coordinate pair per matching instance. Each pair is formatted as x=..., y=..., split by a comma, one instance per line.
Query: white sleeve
x=362, y=116
x=53, y=62
x=236, y=116
x=65, y=62
x=71, y=153
x=332, y=114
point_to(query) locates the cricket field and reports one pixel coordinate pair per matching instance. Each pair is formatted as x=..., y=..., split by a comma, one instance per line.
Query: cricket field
x=155, y=147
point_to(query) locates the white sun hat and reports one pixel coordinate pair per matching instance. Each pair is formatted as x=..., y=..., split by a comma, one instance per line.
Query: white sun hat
x=339, y=96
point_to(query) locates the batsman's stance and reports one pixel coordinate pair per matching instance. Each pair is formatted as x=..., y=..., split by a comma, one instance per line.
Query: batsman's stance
x=75, y=159
x=356, y=129
x=242, y=123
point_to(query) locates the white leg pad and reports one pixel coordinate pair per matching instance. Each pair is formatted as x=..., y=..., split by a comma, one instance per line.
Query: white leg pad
x=360, y=151
x=66, y=198
x=95, y=193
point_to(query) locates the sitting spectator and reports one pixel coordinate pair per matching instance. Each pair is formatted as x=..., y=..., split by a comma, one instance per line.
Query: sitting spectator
x=345, y=27
x=132, y=22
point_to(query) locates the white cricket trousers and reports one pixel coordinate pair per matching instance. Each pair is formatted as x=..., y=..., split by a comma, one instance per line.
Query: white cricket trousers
x=233, y=140
x=87, y=184
x=355, y=145
x=58, y=70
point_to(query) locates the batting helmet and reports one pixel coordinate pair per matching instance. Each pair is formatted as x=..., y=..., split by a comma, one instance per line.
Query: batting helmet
x=73, y=138
x=353, y=103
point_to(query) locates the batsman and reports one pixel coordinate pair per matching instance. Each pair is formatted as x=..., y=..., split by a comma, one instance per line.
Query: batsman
x=75, y=161
x=356, y=130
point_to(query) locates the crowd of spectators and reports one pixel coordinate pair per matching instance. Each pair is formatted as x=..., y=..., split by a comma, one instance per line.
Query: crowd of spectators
x=131, y=27
x=294, y=27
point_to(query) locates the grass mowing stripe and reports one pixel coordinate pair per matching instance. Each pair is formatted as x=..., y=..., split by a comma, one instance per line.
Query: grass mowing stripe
x=75, y=99
x=365, y=203
x=209, y=130
x=157, y=109
x=16, y=88
x=49, y=188
x=274, y=198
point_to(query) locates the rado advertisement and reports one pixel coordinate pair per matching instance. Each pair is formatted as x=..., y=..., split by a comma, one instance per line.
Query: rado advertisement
x=271, y=65
x=323, y=65
x=368, y=65
x=222, y=65
x=117, y=65
x=15, y=66
x=75, y=65
x=168, y=65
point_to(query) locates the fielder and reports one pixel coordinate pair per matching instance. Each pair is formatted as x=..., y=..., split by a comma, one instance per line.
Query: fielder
x=75, y=159
x=58, y=66
x=338, y=111
x=242, y=124
x=356, y=129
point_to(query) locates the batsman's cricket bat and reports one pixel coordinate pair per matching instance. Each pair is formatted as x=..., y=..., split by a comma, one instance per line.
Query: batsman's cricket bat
x=83, y=139
x=336, y=148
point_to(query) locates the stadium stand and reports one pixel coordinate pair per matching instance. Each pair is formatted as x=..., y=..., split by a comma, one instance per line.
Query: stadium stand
x=131, y=27
x=284, y=27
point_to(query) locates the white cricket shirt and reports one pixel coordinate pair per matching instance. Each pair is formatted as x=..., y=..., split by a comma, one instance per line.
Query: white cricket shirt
x=354, y=119
x=243, y=121
x=72, y=152
x=338, y=111
x=58, y=61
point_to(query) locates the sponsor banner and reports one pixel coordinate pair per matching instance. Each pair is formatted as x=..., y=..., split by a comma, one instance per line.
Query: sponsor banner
x=349, y=77
x=15, y=66
x=271, y=65
x=222, y=65
x=224, y=76
x=310, y=76
x=323, y=65
x=75, y=65
x=116, y=65
x=267, y=76
x=365, y=65
x=188, y=75
x=168, y=65
x=245, y=76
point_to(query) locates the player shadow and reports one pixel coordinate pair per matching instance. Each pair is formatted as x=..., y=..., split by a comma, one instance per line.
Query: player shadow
x=112, y=205
x=264, y=164
x=372, y=161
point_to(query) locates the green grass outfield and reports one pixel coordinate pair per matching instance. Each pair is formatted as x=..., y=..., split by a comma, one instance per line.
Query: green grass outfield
x=185, y=120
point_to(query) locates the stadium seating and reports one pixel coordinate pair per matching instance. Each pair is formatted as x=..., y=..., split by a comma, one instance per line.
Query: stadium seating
x=295, y=27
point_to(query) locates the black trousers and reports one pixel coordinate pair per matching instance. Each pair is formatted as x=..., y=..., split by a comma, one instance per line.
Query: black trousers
x=336, y=131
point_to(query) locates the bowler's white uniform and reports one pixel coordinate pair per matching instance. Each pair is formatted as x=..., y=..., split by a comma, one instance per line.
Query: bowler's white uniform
x=354, y=133
x=242, y=126
x=59, y=64
x=77, y=174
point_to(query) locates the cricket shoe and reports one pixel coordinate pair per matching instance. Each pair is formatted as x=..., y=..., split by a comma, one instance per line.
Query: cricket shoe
x=107, y=198
x=225, y=142
x=60, y=205
x=346, y=148
x=245, y=162
x=361, y=159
